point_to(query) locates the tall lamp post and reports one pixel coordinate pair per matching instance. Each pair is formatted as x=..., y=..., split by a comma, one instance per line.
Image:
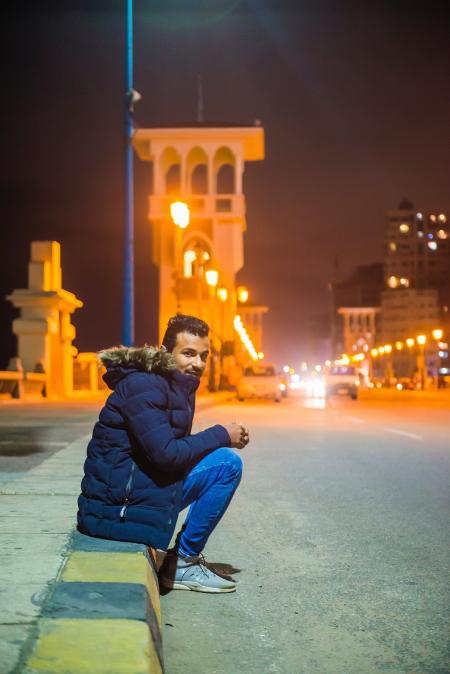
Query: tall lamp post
x=421, y=341
x=180, y=214
x=131, y=97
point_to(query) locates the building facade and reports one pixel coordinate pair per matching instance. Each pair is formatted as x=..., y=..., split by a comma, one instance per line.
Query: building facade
x=201, y=166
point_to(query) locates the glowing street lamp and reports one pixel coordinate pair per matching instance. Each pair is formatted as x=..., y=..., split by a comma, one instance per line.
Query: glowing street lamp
x=242, y=294
x=437, y=334
x=410, y=342
x=421, y=341
x=222, y=294
x=179, y=212
x=399, y=346
x=212, y=277
x=387, y=348
x=374, y=353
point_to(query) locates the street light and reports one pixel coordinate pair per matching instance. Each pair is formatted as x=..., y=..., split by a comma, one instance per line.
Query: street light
x=212, y=277
x=180, y=214
x=421, y=341
x=242, y=294
x=410, y=342
x=437, y=334
x=222, y=294
x=399, y=346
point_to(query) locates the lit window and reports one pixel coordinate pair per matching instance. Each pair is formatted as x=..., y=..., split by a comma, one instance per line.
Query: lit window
x=404, y=228
x=442, y=217
x=392, y=246
x=442, y=234
x=432, y=245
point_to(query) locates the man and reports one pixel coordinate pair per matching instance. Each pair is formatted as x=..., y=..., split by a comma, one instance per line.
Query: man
x=144, y=466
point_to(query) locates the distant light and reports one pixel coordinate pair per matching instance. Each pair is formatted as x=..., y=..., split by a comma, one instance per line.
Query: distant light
x=392, y=281
x=442, y=234
x=432, y=245
x=392, y=246
x=399, y=346
x=419, y=216
x=443, y=354
x=433, y=218
x=304, y=367
x=437, y=333
x=399, y=387
x=286, y=368
x=318, y=368
x=282, y=387
x=212, y=277
x=442, y=217
x=421, y=339
x=430, y=235
x=420, y=234
x=404, y=282
x=374, y=353
x=295, y=377
x=260, y=355
x=381, y=350
x=443, y=345
x=404, y=228
x=388, y=348
x=222, y=294
x=180, y=213
x=328, y=363
x=410, y=342
x=444, y=370
x=242, y=294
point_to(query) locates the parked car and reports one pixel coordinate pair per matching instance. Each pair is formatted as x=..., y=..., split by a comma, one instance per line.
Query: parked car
x=342, y=380
x=259, y=381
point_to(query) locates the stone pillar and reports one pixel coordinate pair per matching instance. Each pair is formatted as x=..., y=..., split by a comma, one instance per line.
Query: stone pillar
x=44, y=330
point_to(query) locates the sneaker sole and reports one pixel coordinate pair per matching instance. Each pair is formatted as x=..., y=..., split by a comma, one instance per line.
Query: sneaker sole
x=194, y=587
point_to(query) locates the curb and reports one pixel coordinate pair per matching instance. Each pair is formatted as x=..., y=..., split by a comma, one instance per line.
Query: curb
x=103, y=614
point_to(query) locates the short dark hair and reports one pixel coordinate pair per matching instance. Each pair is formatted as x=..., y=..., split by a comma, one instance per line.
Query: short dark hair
x=183, y=323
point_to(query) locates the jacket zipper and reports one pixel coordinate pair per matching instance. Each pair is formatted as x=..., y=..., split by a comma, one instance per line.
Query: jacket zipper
x=127, y=493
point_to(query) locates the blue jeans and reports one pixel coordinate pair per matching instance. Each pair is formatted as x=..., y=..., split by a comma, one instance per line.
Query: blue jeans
x=208, y=488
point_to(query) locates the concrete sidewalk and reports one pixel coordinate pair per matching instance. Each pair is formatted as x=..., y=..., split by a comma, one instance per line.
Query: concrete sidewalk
x=38, y=512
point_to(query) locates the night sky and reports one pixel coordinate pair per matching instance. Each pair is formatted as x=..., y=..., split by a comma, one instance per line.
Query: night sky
x=354, y=99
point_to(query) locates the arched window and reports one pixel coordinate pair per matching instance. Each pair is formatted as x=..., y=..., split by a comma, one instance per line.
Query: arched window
x=226, y=179
x=199, y=179
x=173, y=180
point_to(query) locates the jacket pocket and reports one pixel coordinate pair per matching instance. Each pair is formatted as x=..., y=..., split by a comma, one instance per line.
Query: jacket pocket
x=128, y=488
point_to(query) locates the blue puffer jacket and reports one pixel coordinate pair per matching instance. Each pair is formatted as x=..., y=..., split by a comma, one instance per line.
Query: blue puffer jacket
x=141, y=449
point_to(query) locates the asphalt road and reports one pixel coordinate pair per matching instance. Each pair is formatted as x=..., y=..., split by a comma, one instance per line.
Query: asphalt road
x=31, y=432
x=339, y=537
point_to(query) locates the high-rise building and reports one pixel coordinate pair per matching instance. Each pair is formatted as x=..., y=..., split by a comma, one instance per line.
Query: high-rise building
x=416, y=249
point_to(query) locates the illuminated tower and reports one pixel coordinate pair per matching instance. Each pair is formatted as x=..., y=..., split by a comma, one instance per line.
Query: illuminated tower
x=202, y=166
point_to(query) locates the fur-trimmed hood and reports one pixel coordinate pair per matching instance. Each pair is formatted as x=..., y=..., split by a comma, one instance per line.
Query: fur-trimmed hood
x=121, y=360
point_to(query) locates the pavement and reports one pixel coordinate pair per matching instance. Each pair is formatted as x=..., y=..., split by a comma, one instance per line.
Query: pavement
x=338, y=535
x=42, y=450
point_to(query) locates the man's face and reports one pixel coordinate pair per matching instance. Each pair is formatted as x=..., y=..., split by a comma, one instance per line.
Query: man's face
x=191, y=353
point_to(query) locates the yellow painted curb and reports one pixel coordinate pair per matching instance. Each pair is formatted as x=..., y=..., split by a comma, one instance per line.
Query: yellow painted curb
x=75, y=646
x=110, y=567
x=106, y=567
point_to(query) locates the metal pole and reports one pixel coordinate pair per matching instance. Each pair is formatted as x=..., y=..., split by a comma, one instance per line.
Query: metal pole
x=128, y=288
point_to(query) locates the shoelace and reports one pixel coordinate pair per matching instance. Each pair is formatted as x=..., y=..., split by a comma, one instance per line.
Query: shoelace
x=201, y=562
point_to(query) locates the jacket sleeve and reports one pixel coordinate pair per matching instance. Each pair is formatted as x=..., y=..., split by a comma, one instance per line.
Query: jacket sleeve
x=147, y=417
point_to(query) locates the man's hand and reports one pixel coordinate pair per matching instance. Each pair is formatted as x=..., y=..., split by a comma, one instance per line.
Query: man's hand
x=239, y=435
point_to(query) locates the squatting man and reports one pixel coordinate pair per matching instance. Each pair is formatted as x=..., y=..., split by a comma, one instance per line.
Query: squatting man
x=144, y=465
